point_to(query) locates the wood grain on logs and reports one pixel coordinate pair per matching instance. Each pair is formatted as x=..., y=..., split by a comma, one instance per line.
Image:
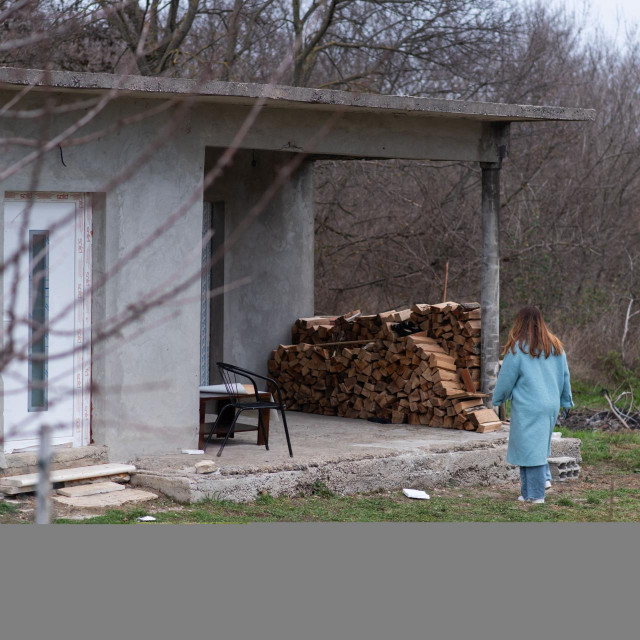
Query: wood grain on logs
x=355, y=366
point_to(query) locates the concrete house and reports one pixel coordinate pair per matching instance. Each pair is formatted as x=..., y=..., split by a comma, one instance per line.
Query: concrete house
x=104, y=200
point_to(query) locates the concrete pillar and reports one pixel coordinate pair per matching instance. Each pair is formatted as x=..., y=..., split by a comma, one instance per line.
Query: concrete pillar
x=497, y=136
x=490, y=298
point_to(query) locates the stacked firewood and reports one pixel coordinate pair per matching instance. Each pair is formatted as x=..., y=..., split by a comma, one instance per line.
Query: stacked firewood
x=335, y=328
x=457, y=327
x=360, y=367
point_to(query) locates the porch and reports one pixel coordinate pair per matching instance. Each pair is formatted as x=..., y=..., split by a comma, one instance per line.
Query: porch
x=347, y=455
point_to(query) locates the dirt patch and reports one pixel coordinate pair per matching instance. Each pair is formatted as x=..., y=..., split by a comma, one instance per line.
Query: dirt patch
x=25, y=505
x=591, y=478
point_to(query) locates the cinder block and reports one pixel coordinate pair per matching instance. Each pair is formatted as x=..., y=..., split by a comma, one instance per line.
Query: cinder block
x=564, y=468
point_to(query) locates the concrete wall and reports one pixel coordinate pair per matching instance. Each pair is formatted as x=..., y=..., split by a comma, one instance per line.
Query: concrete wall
x=146, y=375
x=358, y=135
x=275, y=251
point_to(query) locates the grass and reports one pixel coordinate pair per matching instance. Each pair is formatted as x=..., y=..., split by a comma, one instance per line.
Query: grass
x=5, y=507
x=619, y=450
x=588, y=396
x=606, y=456
x=472, y=506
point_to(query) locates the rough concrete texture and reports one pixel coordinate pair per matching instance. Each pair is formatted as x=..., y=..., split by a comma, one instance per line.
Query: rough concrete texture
x=112, y=500
x=15, y=464
x=285, y=97
x=158, y=355
x=348, y=456
x=564, y=468
x=93, y=489
x=148, y=175
x=258, y=318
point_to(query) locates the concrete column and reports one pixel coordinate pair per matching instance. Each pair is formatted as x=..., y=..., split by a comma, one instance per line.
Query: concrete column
x=497, y=137
x=490, y=299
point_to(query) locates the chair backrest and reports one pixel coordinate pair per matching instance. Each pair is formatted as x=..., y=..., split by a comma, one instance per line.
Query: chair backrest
x=231, y=378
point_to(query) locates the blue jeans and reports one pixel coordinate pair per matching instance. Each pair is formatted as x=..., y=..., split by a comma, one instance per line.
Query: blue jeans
x=547, y=472
x=532, y=480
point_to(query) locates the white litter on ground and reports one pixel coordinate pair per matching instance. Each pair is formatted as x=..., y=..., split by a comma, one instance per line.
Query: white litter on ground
x=416, y=493
x=146, y=519
x=194, y=452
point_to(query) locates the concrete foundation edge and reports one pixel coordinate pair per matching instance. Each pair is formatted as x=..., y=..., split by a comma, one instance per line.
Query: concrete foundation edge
x=418, y=471
x=13, y=464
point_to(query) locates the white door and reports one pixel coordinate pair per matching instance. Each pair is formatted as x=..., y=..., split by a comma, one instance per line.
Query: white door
x=46, y=318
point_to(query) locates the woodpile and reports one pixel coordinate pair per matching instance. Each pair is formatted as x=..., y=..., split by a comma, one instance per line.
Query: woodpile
x=349, y=327
x=457, y=327
x=360, y=367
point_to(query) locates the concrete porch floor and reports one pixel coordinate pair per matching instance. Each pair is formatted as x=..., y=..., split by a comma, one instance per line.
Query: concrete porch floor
x=347, y=455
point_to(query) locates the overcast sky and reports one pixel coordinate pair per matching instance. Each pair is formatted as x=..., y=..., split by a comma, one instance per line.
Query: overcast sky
x=612, y=15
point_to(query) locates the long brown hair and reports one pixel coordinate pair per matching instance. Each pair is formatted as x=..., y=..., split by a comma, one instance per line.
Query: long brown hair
x=531, y=333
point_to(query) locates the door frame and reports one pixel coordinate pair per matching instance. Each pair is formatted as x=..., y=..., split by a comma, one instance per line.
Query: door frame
x=83, y=276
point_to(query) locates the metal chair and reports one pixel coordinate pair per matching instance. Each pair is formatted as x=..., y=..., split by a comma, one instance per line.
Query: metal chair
x=230, y=374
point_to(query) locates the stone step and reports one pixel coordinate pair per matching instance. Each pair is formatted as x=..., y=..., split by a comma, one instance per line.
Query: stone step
x=27, y=482
x=111, y=500
x=80, y=490
x=16, y=464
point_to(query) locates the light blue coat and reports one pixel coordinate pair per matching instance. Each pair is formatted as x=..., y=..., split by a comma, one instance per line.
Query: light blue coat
x=538, y=387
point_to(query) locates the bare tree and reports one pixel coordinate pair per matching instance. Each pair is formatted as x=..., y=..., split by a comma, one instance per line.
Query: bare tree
x=153, y=31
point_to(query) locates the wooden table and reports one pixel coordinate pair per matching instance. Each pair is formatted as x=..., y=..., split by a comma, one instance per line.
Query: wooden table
x=221, y=431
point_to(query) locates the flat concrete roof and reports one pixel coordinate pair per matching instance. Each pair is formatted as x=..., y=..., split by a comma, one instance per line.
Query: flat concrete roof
x=284, y=97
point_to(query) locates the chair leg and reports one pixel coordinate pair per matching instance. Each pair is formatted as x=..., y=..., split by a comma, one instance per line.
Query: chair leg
x=231, y=427
x=286, y=432
x=262, y=429
x=215, y=424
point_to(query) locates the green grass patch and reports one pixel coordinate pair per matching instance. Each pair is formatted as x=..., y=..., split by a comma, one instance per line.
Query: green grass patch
x=320, y=489
x=5, y=507
x=592, y=506
x=592, y=497
x=619, y=449
x=587, y=395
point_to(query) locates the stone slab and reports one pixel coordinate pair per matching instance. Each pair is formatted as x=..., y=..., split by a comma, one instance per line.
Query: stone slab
x=12, y=464
x=66, y=475
x=348, y=456
x=91, y=489
x=286, y=97
x=101, y=501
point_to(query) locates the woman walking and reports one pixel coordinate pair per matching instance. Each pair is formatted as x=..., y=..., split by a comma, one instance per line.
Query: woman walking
x=535, y=375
